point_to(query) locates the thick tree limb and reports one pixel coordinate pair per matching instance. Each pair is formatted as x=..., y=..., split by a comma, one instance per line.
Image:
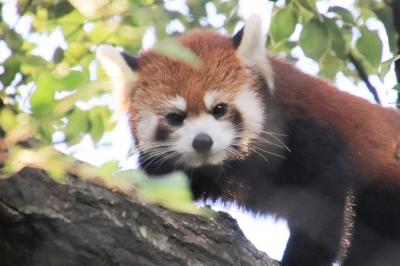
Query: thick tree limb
x=47, y=223
x=364, y=77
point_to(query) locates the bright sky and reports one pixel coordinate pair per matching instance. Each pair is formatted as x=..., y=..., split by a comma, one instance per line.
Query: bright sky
x=264, y=232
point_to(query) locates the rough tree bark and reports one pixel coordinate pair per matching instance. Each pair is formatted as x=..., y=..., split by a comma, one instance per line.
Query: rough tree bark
x=47, y=223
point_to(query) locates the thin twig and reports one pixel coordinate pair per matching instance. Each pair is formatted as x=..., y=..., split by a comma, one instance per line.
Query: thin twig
x=363, y=75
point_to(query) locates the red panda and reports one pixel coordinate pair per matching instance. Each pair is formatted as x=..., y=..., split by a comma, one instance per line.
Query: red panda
x=249, y=128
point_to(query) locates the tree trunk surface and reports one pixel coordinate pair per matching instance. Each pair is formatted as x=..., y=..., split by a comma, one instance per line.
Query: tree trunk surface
x=43, y=222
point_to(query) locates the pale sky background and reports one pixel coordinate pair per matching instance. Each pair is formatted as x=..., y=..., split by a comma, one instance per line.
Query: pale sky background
x=266, y=234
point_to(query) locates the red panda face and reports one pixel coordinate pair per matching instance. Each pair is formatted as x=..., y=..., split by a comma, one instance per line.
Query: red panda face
x=196, y=114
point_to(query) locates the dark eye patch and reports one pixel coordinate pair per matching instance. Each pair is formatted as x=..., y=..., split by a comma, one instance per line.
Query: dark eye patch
x=162, y=133
x=236, y=119
x=175, y=119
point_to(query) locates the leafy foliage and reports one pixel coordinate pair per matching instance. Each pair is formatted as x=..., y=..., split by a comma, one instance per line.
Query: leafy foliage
x=42, y=84
x=336, y=33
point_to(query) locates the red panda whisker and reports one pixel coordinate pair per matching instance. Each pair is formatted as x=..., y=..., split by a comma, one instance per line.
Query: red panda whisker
x=264, y=140
x=274, y=135
x=261, y=155
x=159, y=152
x=236, y=154
x=149, y=147
x=155, y=154
x=160, y=144
x=166, y=158
x=269, y=152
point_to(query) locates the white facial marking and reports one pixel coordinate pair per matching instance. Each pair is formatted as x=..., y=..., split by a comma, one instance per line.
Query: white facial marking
x=177, y=102
x=221, y=132
x=251, y=50
x=252, y=111
x=209, y=99
x=213, y=97
x=146, y=127
x=120, y=74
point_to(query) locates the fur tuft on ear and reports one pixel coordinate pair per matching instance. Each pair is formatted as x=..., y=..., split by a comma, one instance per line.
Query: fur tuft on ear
x=250, y=43
x=119, y=71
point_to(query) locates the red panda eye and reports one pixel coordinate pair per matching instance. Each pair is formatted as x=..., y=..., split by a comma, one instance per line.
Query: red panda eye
x=220, y=110
x=175, y=119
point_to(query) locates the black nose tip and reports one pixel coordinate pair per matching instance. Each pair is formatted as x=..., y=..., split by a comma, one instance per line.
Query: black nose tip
x=202, y=143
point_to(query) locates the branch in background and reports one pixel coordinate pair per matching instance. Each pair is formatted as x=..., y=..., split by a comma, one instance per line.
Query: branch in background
x=396, y=14
x=363, y=75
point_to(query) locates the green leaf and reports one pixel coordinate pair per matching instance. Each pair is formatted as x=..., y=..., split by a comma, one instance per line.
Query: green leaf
x=171, y=191
x=385, y=66
x=46, y=129
x=283, y=24
x=11, y=68
x=42, y=100
x=77, y=50
x=8, y=119
x=340, y=45
x=370, y=46
x=14, y=40
x=97, y=126
x=385, y=14
x=78, y=123
x=397, y=87
x=345, y=14
x=33, y=65
x=174, y=50
x=101, y=31
x=108, y=168
x=330, y=65
x=315, y=39
x=60, y=9
x=73, y=80
x=71, y=23
x=308, y=4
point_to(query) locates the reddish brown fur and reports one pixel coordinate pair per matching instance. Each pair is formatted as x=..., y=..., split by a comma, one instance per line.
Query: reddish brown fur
x=160, y=77
x=338, y=144
x=370, y=131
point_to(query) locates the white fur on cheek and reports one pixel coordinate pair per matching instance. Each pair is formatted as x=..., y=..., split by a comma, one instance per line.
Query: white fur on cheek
x=252, y=111
x=146, y=127
x=221, y=132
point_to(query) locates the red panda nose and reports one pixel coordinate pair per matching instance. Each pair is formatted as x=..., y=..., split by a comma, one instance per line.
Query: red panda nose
x=202, y=143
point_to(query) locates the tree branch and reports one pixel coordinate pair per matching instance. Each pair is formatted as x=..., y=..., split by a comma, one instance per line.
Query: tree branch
x=77, y=223
x=364, y=77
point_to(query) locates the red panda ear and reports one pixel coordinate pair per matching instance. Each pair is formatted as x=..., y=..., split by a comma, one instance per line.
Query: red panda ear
x=237, y=38
x=131, y=61
x=250, y=48
x=120, y=68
